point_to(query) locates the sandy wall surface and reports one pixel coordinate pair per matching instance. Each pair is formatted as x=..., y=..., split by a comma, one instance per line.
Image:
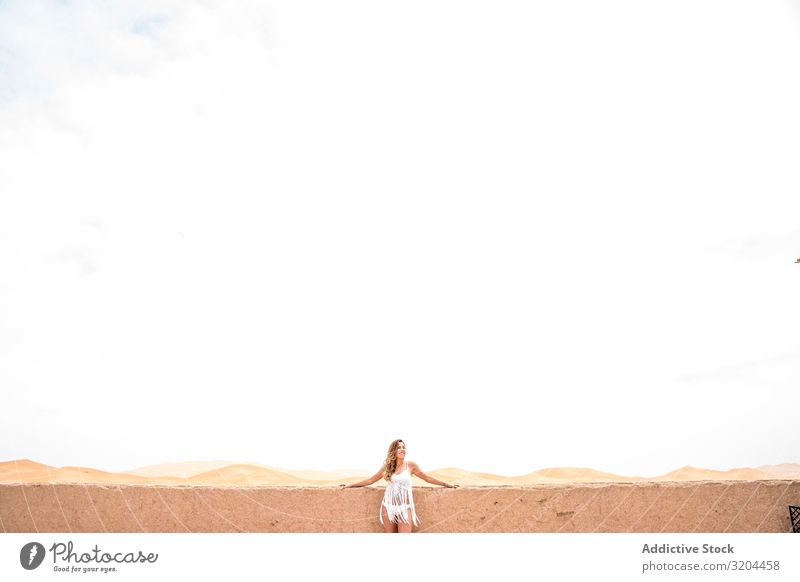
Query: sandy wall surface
x=688, y=506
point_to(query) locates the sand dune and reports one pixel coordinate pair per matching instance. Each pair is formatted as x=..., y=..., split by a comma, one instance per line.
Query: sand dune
x=225, y=474
x=577, y=475
x=179, y=470
x=193, y=470
x=695, y=474
x=250, y=475
x=784, y=470
x=25, y=471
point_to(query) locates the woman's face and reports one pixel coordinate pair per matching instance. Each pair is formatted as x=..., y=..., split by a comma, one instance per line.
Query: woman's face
x=400, y=451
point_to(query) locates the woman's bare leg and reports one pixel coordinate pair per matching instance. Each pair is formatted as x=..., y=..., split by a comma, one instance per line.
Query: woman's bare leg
x=388, y=525
x=405, y=527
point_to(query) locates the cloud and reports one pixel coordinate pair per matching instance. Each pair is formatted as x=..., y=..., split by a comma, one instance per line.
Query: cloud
x=47, y=45
x=764, y=365
x=782, y=246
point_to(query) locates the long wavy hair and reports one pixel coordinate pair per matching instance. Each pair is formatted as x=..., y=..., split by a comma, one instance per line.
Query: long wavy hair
x=390, y=464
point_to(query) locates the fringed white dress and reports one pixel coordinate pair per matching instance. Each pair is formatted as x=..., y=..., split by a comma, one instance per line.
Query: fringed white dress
x=398, y=498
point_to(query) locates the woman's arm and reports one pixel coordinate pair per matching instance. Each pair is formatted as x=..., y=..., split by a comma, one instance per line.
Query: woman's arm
x=365, y=482
x=415, y=470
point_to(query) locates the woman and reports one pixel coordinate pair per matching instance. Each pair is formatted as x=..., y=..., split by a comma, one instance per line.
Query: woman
x=397, y=506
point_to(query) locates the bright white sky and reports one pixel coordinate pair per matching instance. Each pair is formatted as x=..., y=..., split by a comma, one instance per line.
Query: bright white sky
x=516, y=234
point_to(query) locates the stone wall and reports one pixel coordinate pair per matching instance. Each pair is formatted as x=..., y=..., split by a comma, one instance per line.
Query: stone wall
x=704, y=506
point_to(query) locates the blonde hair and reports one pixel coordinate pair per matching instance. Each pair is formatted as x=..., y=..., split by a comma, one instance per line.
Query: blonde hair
x=390, y=464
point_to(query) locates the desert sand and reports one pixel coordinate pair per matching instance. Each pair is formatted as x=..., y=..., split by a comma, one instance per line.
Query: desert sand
x=221, y=497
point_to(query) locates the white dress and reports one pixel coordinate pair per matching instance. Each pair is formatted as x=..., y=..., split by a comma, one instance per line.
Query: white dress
x=398, y=498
